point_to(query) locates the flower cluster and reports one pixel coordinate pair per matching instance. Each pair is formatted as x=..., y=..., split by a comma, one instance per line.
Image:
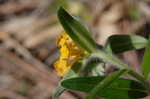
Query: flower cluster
x=69, y=54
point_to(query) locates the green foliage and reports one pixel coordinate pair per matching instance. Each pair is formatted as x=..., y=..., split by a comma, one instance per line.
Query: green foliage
x=146, y=61
x=108, y=87
x=76, y=31
x=120, y=89
x=105, y=83
x=121, y=43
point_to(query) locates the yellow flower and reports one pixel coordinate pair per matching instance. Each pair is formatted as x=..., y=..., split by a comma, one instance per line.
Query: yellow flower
x=69, y=54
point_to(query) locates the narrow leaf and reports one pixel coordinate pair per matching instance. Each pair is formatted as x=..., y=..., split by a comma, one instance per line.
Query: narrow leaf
x=121, y=43
x=119, y=89
x=146, y=61
x=76, y=31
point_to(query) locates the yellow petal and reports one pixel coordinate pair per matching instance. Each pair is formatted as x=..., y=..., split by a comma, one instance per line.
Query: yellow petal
x=69, y=54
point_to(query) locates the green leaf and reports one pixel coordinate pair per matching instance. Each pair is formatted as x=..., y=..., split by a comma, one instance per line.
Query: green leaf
x=121, y=43
x=146, y=61
x=119, y=89
x=77, y=31
x=105, y=83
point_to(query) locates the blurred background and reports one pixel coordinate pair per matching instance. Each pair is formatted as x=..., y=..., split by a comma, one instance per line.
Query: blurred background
x=29, y=28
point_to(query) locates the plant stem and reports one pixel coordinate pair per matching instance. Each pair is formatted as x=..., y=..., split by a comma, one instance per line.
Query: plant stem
x=117, y=62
